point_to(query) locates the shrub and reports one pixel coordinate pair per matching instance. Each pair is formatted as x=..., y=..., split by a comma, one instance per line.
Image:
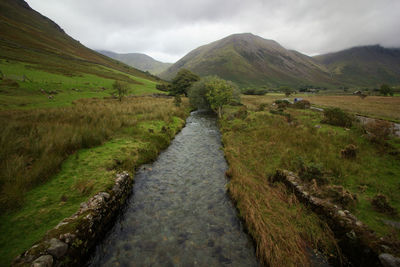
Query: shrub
x=282, y=103
x=302, y=104
x=163, y=87
x=253, y=91
x=241, y=113
x=312, y=171
x=262, y=107
x=350, y=152
x=381, y=204
x=10, y=83
x=378, y=130
x=177, y=100
x=341, y=196
x=337, y=117
x=386, y=90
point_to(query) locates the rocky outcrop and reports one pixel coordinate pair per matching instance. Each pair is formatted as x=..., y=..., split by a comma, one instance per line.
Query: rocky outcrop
x=69, y=243
x=359, y=243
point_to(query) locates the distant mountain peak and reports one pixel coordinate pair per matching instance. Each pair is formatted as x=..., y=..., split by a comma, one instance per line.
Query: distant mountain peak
x=138, y=60
x=248, y=59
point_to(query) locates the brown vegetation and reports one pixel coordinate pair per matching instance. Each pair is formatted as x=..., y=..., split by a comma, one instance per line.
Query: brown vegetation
x=34, y=143
x=374, y=106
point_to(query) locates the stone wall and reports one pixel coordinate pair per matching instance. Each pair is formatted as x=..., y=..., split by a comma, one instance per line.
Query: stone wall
x=71, y=241
x=360, y=244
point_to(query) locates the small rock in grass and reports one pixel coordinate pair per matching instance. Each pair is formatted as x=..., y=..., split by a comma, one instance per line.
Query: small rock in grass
x=57, y=248
x=389, y=260
x=341, y=213
x=43, y=261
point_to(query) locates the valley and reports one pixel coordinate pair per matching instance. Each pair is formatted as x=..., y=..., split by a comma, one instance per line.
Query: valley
x=205, y=146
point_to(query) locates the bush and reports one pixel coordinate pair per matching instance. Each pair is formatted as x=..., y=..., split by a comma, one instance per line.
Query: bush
x=378, y=130
x=262, y=107
x=381, y=204
x=282, y=103
x=386, y=90
x=350, y=152
x=163, y=87
x=302, y=104
x=253, y=91
x=312, y=171
x=288, y=117
x=241, y=113
x=10, y=83
x=337, y=117
x=340, y=195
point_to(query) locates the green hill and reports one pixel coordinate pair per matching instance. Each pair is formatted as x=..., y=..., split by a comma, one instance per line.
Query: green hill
x=250, y=60
x=364, y=65
x=140, y=61
x=37, y=58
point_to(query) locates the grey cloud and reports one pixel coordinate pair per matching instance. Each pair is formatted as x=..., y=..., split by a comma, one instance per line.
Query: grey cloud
x=167, y=30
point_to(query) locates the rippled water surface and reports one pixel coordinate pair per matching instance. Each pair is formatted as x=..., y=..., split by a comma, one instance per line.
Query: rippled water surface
x=179, y=213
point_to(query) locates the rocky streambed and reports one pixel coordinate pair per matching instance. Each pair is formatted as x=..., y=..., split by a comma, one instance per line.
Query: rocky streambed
x=179, y=213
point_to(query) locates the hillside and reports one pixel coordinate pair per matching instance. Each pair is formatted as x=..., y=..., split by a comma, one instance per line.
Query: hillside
x=364, y=65
x=140, y=61
x=249, y=60
x=37, y=56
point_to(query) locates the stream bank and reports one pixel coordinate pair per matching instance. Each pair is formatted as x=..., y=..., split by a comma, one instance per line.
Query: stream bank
x=180, y=213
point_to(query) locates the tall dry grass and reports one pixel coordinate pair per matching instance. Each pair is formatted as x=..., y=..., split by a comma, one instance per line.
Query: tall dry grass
x=34, y=143
x=283, y=229
x=374, y=106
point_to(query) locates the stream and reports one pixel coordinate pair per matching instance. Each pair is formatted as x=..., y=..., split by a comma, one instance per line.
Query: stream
x=179, y=213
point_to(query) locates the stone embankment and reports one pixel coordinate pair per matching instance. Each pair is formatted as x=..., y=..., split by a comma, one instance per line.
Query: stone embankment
x=70, y=242
x=357, y=241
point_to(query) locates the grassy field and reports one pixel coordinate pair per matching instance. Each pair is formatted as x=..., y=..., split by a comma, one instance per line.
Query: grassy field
x=257, y=143
x=372, y=106
x=26, y=86
x=381, y=107
x=54, y=159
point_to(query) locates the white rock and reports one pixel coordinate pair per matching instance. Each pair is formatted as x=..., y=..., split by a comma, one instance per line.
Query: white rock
x=43, y=261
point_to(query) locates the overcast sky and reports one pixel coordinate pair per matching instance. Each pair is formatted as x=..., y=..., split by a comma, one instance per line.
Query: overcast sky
x=168, y=29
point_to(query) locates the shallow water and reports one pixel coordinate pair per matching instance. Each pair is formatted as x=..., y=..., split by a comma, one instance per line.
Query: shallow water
x=179, y=213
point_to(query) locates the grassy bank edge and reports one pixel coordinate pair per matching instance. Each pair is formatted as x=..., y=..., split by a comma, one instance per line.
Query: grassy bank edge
x=284, y=230
x=127, y=151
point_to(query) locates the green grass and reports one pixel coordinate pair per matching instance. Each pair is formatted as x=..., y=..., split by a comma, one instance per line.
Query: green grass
x=28, y=94
x=280, y=225
x=89, y=171
x=262, y=143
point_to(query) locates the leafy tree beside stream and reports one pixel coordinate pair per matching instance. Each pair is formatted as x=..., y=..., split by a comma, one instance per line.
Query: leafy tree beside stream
x=182, y=82
x=213, y=93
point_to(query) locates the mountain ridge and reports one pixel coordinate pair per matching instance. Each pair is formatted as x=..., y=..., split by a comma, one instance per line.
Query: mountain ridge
x=31, y=37
x=364, y=65
x=247, y=57
x=138, y=60
x=251, y=60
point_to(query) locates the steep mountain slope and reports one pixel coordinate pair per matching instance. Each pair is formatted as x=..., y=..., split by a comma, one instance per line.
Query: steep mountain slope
x=251, y=60
x=140, y=61
x=37, y=57
x=364, y=65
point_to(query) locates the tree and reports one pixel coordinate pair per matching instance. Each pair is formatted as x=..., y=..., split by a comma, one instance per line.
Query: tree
x=183, y=81
x=212, y=93
x=287, y=90
x=386, y=90
x=121, y=89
